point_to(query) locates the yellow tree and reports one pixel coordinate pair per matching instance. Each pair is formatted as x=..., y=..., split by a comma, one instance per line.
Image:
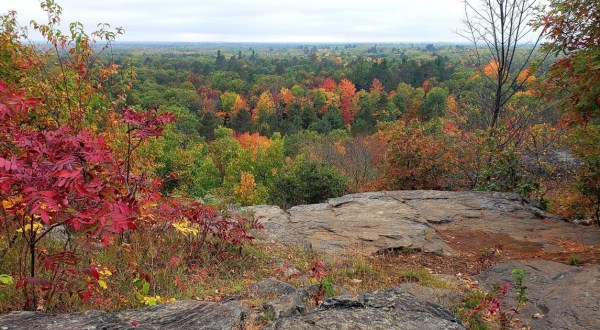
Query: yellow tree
x=264, y=107
x=247, y=192
x=264, y=115
x=231, y=102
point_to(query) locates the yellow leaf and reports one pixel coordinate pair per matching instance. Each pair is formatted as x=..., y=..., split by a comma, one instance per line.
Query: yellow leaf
x=186, y=227
x=37, y=228
x=149, y=301
x=102, y=284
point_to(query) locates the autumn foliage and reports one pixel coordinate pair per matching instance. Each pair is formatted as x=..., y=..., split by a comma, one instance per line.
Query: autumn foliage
x=419, y=156
x=121, y=174
x=59, y=177
x=67, y=164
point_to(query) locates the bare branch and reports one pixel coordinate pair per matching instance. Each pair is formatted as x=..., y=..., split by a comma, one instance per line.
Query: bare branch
x=497, y=29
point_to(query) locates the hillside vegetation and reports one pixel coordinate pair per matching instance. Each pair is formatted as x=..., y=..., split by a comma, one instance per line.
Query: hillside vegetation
x=123, y=166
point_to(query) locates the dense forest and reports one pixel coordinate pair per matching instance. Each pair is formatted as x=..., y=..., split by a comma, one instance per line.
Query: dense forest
x=109, y=142
x=294, y=124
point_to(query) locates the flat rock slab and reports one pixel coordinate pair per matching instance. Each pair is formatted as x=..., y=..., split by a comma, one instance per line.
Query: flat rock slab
x=566, y=297
x=386, y=309
x=368, y=223
x=177, y=316
x=363, y=223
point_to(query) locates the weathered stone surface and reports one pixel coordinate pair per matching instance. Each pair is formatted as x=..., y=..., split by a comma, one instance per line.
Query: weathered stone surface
x=386, y=309
x=368, y=223
x=177, y=315
x=283, y=299
x=445, y=297
x=270, y=287
x=568, y=297
x=365, y=223
x=288, y=305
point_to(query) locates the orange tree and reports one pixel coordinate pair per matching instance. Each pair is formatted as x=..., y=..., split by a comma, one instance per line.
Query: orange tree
x=420, y=156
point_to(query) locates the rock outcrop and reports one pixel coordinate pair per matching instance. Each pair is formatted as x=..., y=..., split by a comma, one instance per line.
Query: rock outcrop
x=283, y=299
x=455, y=225
x=386, y=309
x=368, y=223
x=560, y=296
x=177, y=315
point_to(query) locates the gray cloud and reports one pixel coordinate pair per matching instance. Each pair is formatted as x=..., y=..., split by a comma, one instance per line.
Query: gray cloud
x=263, y=20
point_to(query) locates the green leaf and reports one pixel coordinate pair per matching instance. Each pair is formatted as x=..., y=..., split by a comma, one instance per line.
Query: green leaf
x=6, y=279
x=145, y=288
x=142, y=285
x=327, y=287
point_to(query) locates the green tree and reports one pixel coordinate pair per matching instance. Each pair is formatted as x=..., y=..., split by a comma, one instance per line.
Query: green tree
x=334, y=118
x=435, y=103
x=184, y=167
x=295, y=143
x=307, y=182
x=207, y=125
x=230, y=102
x=321, y=126
x=403, y=95
x=223, y=150
x=364, y=122
x=308, y=115
x=319, y=99
x=242, y=121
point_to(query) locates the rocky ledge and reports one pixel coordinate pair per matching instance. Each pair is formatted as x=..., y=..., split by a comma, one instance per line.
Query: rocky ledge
x=455, y=224
x=377, y=222
x=560, y=297
x=177, y=315
x=387, y=309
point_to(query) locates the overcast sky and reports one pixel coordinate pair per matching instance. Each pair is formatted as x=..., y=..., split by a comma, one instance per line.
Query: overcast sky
x=262, y=20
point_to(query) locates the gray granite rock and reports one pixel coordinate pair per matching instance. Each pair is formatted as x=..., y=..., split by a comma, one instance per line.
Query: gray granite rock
x=177, y=315
x=566, y=297
x=377, y=222
x=270, y=287
x=386, y=309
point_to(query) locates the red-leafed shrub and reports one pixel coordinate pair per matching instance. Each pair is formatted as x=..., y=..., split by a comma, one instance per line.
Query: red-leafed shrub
x=69, y=170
